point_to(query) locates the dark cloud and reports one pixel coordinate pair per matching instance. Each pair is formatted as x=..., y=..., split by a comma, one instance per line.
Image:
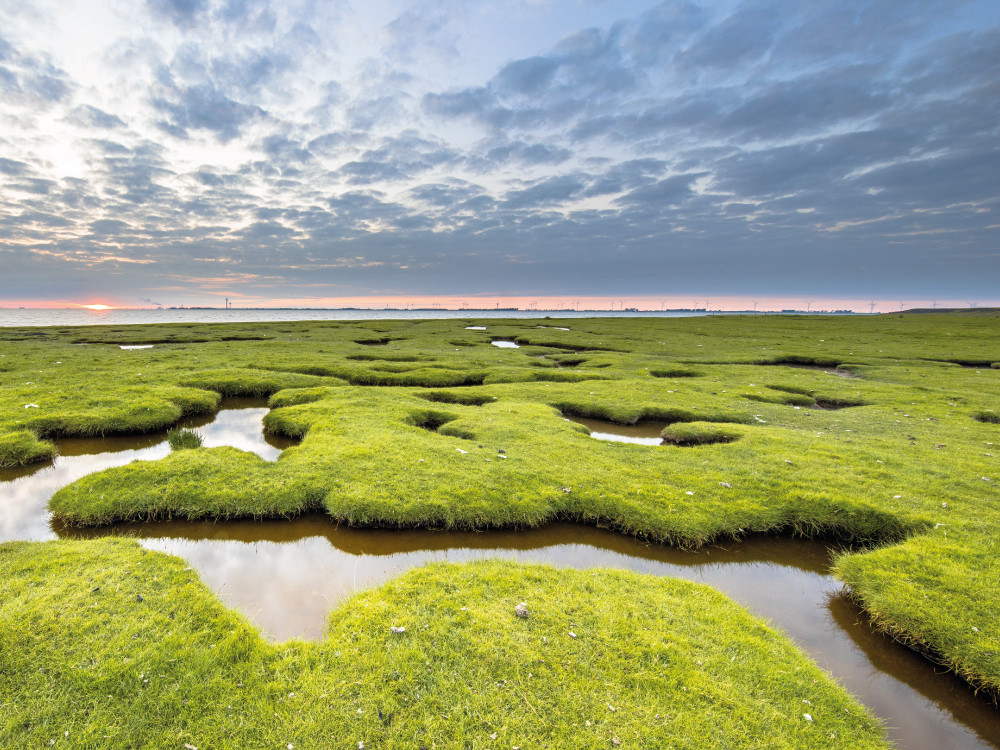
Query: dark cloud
x=788, y=107
x=13, y=167
x=740, y=39
x=203, y=107
x=526, y=77
x=414, y=29
x=521, y=152
x=284, y=148
x=181, y=12
x=670, y=191
x=547, y=192
x=89, y=116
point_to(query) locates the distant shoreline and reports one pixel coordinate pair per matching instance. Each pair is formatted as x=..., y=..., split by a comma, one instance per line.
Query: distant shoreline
x=34, y=317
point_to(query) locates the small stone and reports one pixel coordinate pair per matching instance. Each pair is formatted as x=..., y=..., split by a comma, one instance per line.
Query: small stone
x=570, y=489
x=807, y=717
x=615, y=741
x=725, y=484
x=521, y=610
x=398, y=630
x=493, y=736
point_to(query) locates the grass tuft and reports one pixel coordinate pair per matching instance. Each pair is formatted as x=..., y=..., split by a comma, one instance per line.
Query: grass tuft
x=184, y=439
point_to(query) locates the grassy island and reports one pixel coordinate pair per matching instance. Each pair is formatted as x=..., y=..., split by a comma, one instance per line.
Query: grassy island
x=883, y=430
x=106, y=645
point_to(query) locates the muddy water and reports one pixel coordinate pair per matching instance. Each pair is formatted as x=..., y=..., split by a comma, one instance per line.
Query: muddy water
x=643, y=433
x=25, y=492
x=287, y=575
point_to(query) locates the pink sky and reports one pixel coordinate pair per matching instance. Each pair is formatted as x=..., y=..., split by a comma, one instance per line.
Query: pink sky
x=457, y=302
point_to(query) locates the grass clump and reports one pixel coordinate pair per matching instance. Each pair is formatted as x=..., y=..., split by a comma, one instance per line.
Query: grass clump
x=121, y=647
x=23, y=447
x=183, y=439
x=700, y=433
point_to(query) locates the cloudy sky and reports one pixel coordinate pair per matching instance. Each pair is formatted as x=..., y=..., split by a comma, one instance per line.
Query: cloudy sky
x=317, y=152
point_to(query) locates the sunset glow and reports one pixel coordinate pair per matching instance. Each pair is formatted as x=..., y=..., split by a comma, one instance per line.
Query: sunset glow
x=98, y=307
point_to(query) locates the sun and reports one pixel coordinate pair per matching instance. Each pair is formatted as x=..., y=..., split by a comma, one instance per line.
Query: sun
x=98, y=307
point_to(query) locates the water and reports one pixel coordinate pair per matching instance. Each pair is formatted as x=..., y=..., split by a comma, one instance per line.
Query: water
x=641, y=433
x=25, y=491
x=79, y=317
x=287, y=575
x=503, y=344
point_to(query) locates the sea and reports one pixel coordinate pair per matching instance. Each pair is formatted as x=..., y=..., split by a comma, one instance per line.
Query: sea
x=10, y=317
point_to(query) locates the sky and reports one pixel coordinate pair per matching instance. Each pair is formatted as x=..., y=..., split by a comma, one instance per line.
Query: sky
x=829, y=153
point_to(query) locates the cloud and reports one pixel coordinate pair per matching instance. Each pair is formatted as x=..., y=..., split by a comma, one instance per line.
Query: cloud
x=86, y=115
x=594, y=150
x=206, y=108
x=13, y=167
x=183, y=13
x=547, y=192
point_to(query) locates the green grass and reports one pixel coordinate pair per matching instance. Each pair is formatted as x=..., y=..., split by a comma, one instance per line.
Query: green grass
x=106, y=645
x=183, y=439
x=439, y=428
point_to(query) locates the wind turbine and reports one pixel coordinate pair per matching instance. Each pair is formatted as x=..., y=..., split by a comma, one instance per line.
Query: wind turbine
x=871, y=307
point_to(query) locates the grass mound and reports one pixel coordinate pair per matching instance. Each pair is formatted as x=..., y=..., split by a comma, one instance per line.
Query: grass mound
x=23, y=447
x=107, y=645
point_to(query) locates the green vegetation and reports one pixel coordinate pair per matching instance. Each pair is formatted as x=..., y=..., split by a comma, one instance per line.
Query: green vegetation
x=879, y=429
x=183, y=439
x=106, y=645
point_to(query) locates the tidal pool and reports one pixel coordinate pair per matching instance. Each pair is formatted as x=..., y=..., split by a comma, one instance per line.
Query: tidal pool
x=641, y=433
x=503, y=344
x=286, y=575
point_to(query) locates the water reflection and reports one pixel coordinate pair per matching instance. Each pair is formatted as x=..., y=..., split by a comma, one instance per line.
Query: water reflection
x=643, y=433
x=505, y=344
x=25, y=491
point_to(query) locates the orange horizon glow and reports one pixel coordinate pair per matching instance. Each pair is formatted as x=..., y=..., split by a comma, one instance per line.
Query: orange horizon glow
x=547, y=303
